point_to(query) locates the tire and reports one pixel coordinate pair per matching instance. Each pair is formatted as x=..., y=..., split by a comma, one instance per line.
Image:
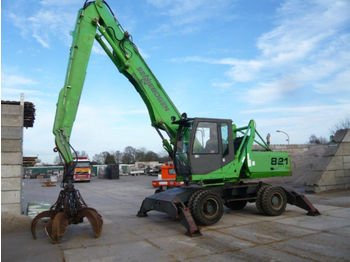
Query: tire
x=274, y=201
x=207, y=207
x=192, y=198
x=236, y=205
x=158, y=190
x=259, y=198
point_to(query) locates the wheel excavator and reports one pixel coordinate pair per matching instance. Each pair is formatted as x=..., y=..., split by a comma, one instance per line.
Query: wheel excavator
x=212, y=157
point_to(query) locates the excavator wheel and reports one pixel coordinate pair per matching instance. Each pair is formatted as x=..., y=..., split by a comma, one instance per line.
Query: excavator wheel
x=259, y=198
x=274, y=201
x=191, y=199
x=207, y=207
x=236, y=205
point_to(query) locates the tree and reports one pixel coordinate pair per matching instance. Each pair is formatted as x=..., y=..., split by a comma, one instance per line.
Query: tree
x=98, y=158
x=317, y=140
x=118, y=156
x=109, y=158
x=129, y=155
x=343, y=124
x=151, y=156
x=163, y=157
x=140, y=154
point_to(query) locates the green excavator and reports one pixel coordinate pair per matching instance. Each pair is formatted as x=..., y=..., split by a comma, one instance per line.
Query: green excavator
x=213, y=157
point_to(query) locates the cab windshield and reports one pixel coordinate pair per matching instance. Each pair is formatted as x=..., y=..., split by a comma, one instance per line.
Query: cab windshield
x=83, y=164
x=182, y=146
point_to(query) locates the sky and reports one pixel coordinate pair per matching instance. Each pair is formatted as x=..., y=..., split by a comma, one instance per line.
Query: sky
x=285, y=64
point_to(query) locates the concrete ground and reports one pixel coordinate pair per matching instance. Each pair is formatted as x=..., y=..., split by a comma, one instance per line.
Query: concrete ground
x=239, y=236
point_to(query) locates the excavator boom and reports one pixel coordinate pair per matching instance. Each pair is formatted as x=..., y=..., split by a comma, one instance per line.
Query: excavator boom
x=96, y=17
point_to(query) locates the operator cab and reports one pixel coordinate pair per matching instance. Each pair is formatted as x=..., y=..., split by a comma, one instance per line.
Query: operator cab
x=203, y=145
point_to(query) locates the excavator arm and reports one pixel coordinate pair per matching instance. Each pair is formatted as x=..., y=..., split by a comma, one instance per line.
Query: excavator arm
x=96, y=16
x=97, y=21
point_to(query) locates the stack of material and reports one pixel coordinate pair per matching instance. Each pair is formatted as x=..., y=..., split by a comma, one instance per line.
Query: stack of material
x=35, y=208
x=29, y=161
x=29, y=112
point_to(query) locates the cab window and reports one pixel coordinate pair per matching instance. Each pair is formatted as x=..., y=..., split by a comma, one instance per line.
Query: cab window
x=224, y=139
x=206, y=139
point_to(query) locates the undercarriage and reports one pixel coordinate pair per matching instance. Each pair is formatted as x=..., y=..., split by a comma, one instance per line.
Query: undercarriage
x=203, y=206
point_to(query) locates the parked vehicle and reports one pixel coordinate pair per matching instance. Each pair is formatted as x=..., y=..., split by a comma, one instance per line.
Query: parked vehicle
x=167, y=178
x=82, y=169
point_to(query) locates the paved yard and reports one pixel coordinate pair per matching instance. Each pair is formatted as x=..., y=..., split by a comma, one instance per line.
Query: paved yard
x=240, y=235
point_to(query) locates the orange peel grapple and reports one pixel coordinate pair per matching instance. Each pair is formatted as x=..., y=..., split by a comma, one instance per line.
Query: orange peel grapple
x=70, y=208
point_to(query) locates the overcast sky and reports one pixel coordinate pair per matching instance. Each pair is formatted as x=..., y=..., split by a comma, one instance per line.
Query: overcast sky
x=285, y=64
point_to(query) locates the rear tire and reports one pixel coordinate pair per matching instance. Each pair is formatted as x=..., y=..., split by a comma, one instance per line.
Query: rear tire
x=236, y=205
x=274, y=201
x=207, y=207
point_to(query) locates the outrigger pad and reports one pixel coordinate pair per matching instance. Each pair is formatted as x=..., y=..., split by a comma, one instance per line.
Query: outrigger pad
x=172, y=201
x=301, y=201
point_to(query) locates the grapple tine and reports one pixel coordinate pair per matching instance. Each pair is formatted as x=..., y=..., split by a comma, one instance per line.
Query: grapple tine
x=36, y=220
x=94, y=218
x=48, y=229
x=59, y=226
x=98, y=216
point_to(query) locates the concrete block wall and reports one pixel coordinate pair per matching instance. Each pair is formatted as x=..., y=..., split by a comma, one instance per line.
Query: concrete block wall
x=292, y=149
x=11, y=157
x=337, y=173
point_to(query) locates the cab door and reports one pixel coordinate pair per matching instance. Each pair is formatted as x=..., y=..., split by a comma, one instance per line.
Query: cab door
x=226, y=140
x=210, y=145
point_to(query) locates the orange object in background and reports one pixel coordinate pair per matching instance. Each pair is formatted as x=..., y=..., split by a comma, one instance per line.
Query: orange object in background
x=82, y=170
x=167, y=177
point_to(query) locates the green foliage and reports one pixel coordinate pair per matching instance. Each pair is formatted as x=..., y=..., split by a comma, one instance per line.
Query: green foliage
x=109, y=159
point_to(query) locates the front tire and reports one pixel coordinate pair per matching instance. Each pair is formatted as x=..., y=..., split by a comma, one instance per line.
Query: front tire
x=207, y=207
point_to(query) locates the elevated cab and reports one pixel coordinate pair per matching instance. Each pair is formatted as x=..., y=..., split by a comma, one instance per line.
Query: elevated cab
x=204, y=150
